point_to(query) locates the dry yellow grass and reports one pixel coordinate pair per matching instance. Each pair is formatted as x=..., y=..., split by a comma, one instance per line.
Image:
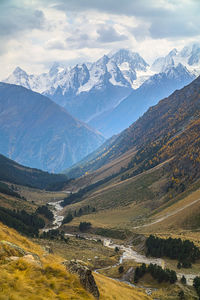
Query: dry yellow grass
x=189, y=207
x=121, y=217
x=115, y=290
x=22, y=279
x=13, y=236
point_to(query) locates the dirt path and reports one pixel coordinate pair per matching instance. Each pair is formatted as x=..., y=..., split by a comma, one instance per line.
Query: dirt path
x=167, y=215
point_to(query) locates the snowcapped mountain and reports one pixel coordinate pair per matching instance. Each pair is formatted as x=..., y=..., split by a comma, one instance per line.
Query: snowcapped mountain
x=133, y=59
x=156, y=87
x=103, y=72
x=122, y=68
x=89, y=89
x=19, y=77
x=189, y=56
x=37, y=83
x=129, y=63
x=161, y=63
x=82, y=78
x=93, y=91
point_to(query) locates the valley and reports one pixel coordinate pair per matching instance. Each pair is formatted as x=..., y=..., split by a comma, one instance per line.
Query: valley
x=99, y=150
x=126, y=225
x=95, y=217
x=128, y=258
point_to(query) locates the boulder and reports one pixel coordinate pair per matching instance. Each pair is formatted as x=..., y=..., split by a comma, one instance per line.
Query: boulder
x=85, y=275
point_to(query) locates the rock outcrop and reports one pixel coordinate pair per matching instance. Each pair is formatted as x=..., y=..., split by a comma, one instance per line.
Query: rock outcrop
x=85, y=274
x=11, y=252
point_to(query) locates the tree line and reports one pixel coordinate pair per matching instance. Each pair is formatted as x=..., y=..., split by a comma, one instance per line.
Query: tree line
x=78, y=213
x=45, y=211
x=54, y=234
x=196, y=285
x=184, y=251
x=156, y=272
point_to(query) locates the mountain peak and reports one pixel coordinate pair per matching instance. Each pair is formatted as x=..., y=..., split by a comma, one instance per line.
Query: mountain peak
x=18, y=71
x=122, y=51
x=173, y=52
x=103, y=60
x=55, y=69
x=133, y=59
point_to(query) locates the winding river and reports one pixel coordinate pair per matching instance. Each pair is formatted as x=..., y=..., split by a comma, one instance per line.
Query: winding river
x=127, y=252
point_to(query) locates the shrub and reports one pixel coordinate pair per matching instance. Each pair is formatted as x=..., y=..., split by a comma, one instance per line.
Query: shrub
x=84, y=226
x=121, y=269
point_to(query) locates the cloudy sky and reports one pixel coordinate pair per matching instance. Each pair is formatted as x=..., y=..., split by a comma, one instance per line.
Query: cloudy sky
x=35, y=33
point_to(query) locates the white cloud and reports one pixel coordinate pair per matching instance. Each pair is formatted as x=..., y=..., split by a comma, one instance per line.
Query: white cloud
x=36, y=33
x=108, y=34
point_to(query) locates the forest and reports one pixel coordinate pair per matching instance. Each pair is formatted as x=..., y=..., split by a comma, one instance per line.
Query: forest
x=184, y=251
x=45, y=211
x=156, y=272
x=28, y=224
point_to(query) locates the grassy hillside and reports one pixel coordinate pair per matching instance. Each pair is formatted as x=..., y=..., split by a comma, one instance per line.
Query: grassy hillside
x=39, y=275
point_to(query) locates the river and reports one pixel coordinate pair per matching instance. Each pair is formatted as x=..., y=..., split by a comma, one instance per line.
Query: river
x=127, y=252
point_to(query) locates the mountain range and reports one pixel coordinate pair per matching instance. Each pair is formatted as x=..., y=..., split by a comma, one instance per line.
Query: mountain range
x=168, y=130
x=119, y=84
x=36, y=132
x=144, y=180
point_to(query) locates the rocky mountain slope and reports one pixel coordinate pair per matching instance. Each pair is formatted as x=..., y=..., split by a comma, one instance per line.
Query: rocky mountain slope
x=168, y=130
x=36, y=132
x=148, y=177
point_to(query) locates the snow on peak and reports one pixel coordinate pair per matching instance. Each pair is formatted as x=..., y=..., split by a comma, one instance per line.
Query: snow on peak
x=134, y=60
x=173, y=52
x=55, y=69
x=19, y=77
x=189, y=57
x=162, y=63
x=179, y=70
x=130, y=64
x=187, y=51
x=19, y=72
x=121, y=67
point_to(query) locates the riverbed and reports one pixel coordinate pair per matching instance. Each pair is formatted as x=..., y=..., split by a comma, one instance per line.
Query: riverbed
x=127, y=251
